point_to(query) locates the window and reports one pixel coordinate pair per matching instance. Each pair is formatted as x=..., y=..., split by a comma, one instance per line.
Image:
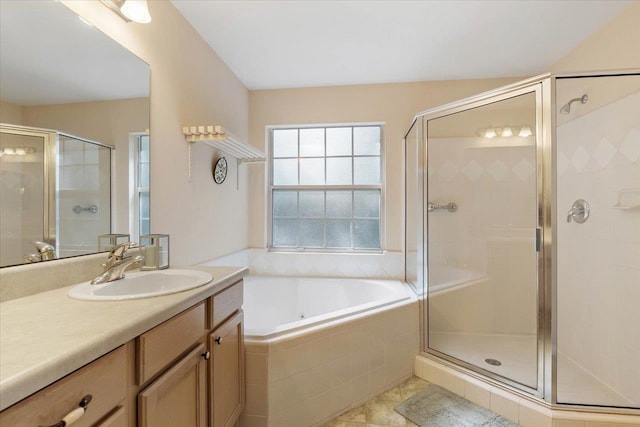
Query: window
x=326, y=187
x=139, y=186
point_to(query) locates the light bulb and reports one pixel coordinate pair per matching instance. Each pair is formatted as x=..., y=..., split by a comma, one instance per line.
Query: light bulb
x=525, y=131
x=136, y=10
x=490, y=133
x=9, y=151
x=507, y=132
x=21, y=151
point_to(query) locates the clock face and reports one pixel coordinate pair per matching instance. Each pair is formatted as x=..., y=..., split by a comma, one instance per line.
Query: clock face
x=220, y=170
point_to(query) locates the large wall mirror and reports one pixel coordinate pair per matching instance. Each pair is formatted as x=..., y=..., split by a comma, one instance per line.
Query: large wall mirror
x=74, y=140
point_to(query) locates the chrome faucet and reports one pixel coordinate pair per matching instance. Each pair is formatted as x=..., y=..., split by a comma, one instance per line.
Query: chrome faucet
x=117, y=263
x=45, y=252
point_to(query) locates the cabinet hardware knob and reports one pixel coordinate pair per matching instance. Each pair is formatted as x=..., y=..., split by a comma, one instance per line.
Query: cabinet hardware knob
x=218, y=340
x=206, y=355
x=75, y=415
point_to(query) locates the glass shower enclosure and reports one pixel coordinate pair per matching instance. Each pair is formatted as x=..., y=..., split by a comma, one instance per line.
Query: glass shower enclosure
x=54, y=188
x=523, y=236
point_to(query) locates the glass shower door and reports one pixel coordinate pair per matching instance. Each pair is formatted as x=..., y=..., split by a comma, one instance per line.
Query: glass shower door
x=22, y=156
x=482, y=223
x=598, y=240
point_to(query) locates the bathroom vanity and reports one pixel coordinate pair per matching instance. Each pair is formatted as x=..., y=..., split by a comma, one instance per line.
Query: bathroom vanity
x=172, y=360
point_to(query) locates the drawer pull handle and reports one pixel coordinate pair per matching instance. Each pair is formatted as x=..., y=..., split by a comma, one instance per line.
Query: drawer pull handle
x=219, y=340
x=75, y=415
x=206, y=355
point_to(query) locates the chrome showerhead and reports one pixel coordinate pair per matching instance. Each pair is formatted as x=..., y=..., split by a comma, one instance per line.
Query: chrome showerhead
x=566, y=108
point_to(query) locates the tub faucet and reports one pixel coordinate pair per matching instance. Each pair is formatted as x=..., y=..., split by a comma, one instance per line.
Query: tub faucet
x=117, y=263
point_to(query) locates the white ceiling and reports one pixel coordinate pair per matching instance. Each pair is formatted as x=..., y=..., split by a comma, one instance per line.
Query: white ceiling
x=49, y=56
x=298, y=43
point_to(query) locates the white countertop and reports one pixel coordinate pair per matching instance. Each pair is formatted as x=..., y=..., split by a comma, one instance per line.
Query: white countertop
x=46, y=336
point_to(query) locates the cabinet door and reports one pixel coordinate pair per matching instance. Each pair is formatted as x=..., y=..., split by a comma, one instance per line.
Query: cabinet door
x=178, y=397
x=227, y=372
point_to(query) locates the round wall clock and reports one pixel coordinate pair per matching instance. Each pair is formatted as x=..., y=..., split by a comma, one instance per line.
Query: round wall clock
x=220, y=170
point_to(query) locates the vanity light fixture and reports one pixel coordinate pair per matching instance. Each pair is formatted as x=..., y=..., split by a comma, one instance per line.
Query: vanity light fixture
x=506, y=132
x=17, y=151
x=130, y=10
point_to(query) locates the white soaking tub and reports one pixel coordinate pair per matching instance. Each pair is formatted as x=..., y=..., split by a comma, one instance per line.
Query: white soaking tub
x=277, y=305
x=318, y=346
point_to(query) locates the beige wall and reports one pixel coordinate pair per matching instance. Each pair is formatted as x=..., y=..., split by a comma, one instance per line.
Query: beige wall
x=393, y=104
x=190, y=85
x=10, y=113
x=613, y=46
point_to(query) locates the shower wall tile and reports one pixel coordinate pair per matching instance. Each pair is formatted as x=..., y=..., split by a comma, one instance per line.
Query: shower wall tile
x=597, y=275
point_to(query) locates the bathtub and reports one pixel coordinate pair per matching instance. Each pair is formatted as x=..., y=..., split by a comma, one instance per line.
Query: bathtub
x=316, y=347
x=275, y=306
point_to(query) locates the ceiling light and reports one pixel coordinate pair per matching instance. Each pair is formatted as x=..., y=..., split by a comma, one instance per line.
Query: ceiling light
x=136, y=10
x=525, y=131
x=130, y=10
x=507, y=132
x=490, y=133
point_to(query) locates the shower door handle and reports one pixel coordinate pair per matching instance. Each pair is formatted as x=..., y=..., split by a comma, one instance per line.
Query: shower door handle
x=579, y=211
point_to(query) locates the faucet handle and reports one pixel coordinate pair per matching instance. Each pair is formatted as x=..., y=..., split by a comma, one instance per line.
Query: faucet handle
x=120, y=251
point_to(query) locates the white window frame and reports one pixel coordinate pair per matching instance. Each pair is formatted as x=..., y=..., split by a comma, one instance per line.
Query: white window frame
x=270, y=188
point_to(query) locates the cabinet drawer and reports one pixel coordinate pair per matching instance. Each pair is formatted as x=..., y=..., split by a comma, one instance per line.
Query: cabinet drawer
x=226, y=303
x=163, y=344
x=116, y=419
x=104, y=379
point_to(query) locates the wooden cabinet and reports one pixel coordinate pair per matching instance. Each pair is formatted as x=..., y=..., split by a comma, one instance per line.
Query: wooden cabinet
x=105, y=380
x=226, y=372
x=160, y=346
x=179, y=396
x=187, y=371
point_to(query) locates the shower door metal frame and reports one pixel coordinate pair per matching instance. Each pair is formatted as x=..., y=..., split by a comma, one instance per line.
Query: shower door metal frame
x=535, y=86
x=546, y=394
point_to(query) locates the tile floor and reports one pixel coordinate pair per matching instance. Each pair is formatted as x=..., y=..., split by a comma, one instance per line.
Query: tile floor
x=378, y=412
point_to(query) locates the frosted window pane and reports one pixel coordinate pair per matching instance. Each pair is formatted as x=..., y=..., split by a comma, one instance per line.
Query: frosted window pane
x=144, y=148
x=144, y=206
x=366, y=234
x=339, y=171
x=366, y=204
x=311, y=204
x=367, y=170
x=311, y=171
x=285, y=172
x=338, y=204
x=143, y=175
x=311, y=142
x=285, y=232
x=285, y=143
x=339, y=141
x=312, y=233
x=338, y=233
x=366, y=141
x=285, y=204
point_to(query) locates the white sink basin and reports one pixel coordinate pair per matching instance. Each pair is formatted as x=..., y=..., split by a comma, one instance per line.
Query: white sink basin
x=142, y=284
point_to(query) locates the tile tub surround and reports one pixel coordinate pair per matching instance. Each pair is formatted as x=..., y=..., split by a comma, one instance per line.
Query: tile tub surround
x=308, y=378
x=46, y=336
x=386, y=265
x=523, y=411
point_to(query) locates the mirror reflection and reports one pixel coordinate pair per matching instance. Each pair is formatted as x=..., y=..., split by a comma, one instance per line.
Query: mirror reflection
x=74, y=142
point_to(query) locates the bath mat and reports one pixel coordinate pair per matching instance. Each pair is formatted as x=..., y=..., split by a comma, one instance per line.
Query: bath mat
x=435, y=406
